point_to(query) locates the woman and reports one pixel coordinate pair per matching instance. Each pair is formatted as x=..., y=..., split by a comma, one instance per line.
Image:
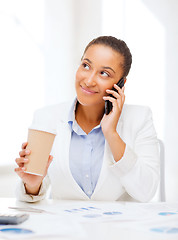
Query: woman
x=97, y=156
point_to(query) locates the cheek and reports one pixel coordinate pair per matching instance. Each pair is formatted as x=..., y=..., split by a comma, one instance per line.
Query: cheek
x=80, y=75
x=77, y=79
x=77, y=76
x=104, y=87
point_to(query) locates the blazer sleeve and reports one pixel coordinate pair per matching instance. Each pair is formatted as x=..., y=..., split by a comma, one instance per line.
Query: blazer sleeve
x=21, y=194
x=138, y=169
x=42, y=120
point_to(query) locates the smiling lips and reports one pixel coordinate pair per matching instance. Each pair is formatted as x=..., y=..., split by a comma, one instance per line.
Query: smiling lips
x=87, y=90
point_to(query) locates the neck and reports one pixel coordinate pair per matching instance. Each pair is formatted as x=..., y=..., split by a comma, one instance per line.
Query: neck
x=88, y=117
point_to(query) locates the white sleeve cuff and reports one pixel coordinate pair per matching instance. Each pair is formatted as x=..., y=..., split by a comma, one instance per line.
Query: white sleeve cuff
x=23, y=196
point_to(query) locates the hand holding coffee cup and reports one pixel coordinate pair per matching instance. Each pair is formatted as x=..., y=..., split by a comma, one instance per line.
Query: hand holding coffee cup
x=32, y=182
x=40, y=144
x=35, y=159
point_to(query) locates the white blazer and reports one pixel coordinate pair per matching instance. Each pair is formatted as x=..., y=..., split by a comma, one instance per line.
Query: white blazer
x=134, y=178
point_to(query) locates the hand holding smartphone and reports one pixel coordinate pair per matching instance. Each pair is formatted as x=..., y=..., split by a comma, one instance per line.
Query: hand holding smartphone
x=108, y=104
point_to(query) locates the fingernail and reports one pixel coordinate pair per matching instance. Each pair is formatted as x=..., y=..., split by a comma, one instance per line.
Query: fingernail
x=25, y=160
x=23, y=168
x=27, y=151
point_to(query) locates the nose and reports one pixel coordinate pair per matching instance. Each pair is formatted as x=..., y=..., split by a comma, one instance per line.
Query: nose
x=91, y=80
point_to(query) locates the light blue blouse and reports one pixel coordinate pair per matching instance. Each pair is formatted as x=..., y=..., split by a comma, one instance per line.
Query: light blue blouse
x=86, y=154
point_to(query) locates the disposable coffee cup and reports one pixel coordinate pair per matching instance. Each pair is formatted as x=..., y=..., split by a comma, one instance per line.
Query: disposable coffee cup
x=40, y=144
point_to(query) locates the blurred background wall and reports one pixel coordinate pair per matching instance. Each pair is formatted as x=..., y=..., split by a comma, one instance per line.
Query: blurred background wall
x=41, y=45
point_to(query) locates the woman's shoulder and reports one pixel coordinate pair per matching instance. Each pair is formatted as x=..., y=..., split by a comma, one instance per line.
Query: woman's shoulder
x=135, y=112
x=47, y=118
x=130, y=108
x=55, y=109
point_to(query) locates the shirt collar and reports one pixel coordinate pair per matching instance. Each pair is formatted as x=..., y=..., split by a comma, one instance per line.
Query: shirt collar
x=71, y=115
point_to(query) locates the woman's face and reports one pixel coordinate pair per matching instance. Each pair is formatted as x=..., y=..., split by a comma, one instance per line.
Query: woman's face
x=100, y=68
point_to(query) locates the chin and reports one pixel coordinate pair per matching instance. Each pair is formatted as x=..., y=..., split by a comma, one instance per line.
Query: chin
x=90, y=102
x=84, y=102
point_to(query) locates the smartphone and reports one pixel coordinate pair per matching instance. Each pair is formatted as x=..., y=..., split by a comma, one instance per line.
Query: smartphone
x=108, y=104
x=13, y=218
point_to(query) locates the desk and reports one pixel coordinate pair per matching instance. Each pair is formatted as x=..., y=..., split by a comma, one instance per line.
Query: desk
x=88, y=220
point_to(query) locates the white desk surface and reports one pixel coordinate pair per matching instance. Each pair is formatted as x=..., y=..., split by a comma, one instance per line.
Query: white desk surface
x=135, y=221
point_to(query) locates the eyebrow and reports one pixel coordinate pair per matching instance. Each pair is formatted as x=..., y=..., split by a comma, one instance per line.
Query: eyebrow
x=88, y=60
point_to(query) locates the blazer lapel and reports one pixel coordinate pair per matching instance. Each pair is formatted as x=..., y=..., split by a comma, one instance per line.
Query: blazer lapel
x=107, y=161
x=63, y=144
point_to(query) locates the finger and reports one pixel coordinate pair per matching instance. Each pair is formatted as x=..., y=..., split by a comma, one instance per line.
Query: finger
x=20, y=170
x=21, y=161
x=49, y=160
x=120, y=101
x=121, y=92
x=111, y=99
x=48, y=164
x=24, y=145
x=117, y=103
x=123, y=98
x=24, y=152
x=113, y=93
x=118, y=88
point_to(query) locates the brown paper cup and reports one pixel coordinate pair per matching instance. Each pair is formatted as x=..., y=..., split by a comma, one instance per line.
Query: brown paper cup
x=40, y=144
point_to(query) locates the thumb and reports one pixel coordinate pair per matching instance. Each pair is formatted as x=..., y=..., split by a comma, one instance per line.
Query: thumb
x=48, y=163
x=49, y=160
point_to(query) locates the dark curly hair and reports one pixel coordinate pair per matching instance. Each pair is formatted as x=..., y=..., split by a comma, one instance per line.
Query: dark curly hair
x=117, y=45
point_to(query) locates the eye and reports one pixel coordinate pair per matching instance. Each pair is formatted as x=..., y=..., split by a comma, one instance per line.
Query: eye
x=85, y=66
x=105, y=74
